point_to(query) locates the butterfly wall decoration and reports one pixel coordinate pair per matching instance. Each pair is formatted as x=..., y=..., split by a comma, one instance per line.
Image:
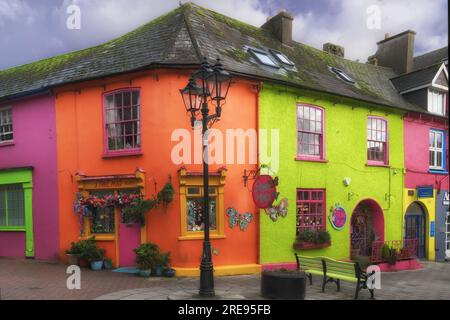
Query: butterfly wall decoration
x=235, y=218
x=278, y=210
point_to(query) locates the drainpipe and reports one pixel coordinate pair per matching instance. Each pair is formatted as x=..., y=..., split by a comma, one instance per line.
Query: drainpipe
x=258, y=95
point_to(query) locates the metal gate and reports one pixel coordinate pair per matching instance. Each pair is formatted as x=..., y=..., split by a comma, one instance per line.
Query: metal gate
x=360, y=234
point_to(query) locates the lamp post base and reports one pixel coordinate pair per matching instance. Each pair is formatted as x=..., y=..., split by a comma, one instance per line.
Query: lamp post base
x=206, y=272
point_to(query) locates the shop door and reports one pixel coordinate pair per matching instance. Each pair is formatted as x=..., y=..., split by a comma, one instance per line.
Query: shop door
x=447, y=236
x=415, y=228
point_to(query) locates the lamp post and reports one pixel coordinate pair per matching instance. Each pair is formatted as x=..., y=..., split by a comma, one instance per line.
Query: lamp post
x=208, y=84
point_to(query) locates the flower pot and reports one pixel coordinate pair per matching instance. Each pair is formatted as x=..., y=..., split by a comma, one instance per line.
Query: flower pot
x=169, y=273
x=107, y=265
x=83, y=263
x=145, y=273
x=97, y=265
x=157, y=271
x=310, y=245
x=72, y=259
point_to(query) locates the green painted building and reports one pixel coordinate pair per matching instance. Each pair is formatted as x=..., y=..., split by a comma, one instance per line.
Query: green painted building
x=324, y=163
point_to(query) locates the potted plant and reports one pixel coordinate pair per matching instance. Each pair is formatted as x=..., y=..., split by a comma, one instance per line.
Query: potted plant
x=165, y=196
x=107, y=264
x=95, y=258
x=390, y=255
x=73, y=253
x=168, y=272
x=145, y=256
x=312, y=239
x=136, y=211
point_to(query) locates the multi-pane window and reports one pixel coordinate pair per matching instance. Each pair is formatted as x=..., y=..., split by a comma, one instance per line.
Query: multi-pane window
x=103, y=219
x=377, y=140
x=310, y=128
x=195, y=210
x=12, y=206
x=6, y=125
x=436, y=102
x=123, y=126
x=436, y=149
x=310, y=210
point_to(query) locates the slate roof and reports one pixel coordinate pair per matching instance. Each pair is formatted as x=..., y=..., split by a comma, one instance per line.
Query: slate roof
x=431, y=58
x=183, y=36
x=416, y=78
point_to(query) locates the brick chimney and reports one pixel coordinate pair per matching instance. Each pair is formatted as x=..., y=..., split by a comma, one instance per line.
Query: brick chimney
x=396, y=52
x=334, y=49
x=280, y=26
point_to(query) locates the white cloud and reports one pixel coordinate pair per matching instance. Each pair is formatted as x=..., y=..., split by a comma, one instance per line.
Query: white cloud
x=14, y=10
x=347, y=27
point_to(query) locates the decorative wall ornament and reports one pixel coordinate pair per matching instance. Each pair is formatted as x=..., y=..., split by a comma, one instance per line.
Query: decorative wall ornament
x=235, y=218
x=338, y=217
x=278, y=210
x=264, y=191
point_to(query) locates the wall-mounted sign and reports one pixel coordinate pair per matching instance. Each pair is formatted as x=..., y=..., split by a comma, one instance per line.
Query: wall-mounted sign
x=338, y=217
x=432, y=229
x=425, y=192
x=264, y=191
x=445, y=202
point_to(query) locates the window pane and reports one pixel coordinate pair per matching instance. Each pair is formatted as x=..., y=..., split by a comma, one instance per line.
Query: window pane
x=2, y=208
x=432, y=139
x=439, y=140
x=16, y=208
x=432, y=163
x=103, y=219
x=194, y=214
x=439, y=159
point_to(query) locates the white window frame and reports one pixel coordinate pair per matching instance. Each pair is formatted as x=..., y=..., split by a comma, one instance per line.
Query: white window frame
x=433, y=148
x=435, y=97
x=9, y=108
x=259, y=54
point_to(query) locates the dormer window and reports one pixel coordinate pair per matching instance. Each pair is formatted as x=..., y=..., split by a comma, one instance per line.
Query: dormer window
x=282, y=58
x=342, y=75
x=263, y=58
x=436, y=102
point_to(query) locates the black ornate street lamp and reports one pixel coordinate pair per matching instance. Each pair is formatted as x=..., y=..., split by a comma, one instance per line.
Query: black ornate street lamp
x=207, y=84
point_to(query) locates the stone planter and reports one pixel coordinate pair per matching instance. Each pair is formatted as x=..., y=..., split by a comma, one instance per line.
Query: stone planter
x=145, y=273
x=283, y=285
x=97, y=265
x=310, y=246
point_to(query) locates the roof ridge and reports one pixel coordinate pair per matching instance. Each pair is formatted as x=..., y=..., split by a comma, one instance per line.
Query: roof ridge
x=429, y=52
x=418, y=70
x=186, y=13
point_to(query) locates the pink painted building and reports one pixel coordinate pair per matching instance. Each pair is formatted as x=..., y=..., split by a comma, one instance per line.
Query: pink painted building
x=28, y=178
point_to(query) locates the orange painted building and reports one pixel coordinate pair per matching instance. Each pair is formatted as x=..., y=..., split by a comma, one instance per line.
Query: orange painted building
x=89, y=163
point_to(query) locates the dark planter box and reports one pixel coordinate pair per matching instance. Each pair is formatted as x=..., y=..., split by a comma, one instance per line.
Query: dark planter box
x=310, y=246
x=282, y=285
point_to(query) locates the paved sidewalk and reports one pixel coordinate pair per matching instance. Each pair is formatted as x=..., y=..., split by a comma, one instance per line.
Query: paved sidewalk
x=29, y=279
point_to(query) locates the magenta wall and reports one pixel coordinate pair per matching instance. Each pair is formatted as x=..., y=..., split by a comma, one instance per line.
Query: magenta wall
x=417, y=152
x=35, y=146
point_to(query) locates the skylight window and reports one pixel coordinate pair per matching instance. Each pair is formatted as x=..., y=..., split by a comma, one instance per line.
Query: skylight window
x=263, y=58
x=282, y=58
x=342, y=75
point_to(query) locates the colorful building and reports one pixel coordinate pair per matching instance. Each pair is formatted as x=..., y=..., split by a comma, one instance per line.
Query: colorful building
x=424, y=82
x=112, y=122
x=28, y=175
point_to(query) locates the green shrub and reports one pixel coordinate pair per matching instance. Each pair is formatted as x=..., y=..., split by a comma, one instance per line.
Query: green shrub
x=136, y=212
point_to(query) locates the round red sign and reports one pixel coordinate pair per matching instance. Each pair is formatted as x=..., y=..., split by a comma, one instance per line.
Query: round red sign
x=264, y=191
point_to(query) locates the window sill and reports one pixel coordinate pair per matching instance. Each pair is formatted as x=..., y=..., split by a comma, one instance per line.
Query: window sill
x=101, y=237
x=436, y=171
x=201, y=237
x=7, y=144
x=12, y=229
x=377, y=164
x=118, y=154
x=306, y=159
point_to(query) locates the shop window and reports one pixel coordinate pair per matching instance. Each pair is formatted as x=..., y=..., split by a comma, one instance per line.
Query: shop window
x=12, y=206
x=103, y=219
x=123, y=122
x=437, y=150
x=311, y=204
x=6, y=125
x=310, y=132
x=191, y=203
x=377, y=141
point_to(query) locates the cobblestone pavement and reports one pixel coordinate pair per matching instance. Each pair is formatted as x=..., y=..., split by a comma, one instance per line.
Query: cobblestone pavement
x=28, y=279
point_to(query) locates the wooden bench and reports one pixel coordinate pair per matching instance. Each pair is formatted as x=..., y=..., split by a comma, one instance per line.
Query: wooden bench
x=334, y=271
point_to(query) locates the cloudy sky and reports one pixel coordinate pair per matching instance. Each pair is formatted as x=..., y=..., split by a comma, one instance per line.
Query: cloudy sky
x=35, y=29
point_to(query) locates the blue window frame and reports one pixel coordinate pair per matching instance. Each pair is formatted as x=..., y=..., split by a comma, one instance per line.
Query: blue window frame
x=438, y=151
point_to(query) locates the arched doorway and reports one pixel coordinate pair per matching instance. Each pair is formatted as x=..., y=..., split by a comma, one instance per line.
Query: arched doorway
x=367, y=226
x=416, y=227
